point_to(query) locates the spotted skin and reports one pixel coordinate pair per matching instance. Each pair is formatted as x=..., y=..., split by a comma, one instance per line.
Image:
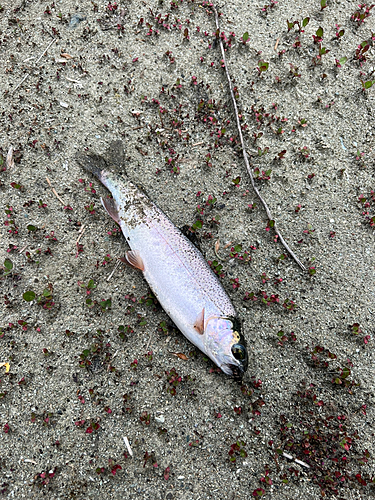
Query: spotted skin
x=176, y=271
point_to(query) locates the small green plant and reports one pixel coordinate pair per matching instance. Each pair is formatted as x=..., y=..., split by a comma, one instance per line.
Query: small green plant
x=264, y=175
x=150, y=457
x=283, y=338
x=363, y=12
x=237, y=450
x=7, y=267
x=299, y=24
x=89, y=287
x=90, y=208
x=262, y=66
x=310, y=231
x=289, y=305
x=356, y=329
x=16, y=185
x=236, y=252
x=269, y=6
x=45, y=300
x=124, y=331
x=105, y=305
x=145, y=418
x=340, y=62
x=217, y=268
x=367, y=85
x=173, y=379
x=305, y=152
x=339, y=32
x=294, y=71
x=98, y=353
x=318, y=37
x=10, y=221
x=262, y=152
x=245, y=38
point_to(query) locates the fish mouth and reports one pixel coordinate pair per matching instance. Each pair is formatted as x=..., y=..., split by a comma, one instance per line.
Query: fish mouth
x=237, y=372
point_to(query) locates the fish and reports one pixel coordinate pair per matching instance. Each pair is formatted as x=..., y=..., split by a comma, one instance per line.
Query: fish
x=176, y=271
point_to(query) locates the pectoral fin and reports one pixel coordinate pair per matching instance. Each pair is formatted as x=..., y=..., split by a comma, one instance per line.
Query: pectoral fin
x=134, y=260
x=111, y=208
x=199, y=323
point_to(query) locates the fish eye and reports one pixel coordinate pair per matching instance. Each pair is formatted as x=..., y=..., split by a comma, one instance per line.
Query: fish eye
x=239, y=352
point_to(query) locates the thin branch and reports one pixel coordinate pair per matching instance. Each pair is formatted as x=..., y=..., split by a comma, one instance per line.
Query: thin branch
x=36, y=62
x=81, y=231
x=126, y=441
x=54, y=191
x=304, y=464
x=114, y=269
x=246, y=160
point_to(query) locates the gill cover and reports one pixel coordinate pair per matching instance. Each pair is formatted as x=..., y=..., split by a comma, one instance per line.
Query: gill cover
x=226, y=346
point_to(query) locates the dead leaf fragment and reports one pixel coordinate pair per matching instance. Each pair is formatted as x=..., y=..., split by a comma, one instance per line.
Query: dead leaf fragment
x=216, y=250
x=67, y=56
x=10, y=160
x=7, y=366
x=180, y=355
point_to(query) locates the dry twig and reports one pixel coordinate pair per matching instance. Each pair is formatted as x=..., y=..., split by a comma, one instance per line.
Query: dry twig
x=304, y=464
x=39, y=58
x=81, y=231
x=246, y=160
x=114, y=269
x=128, y=445
x=54, y=191
x=216, y=250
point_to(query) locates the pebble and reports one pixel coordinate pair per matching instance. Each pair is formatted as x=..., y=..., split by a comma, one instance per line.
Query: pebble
x=75, y=20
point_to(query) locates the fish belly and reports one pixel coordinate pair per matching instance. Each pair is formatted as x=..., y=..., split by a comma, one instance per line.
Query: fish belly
x=176, y=271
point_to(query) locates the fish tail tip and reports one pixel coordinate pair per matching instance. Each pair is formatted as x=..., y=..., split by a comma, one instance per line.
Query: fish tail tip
x=92, y=163
x=98, y=165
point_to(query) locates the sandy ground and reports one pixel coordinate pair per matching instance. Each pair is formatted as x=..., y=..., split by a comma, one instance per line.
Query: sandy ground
x=84, y=375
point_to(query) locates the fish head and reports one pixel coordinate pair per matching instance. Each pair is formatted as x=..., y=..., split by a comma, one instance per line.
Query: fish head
x=226, y=346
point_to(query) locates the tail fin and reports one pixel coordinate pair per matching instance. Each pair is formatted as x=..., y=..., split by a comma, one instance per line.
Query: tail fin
x=93, y=163
x=96, y=164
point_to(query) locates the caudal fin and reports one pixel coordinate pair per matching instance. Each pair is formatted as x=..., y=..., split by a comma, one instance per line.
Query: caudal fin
x=96, y=164
x=92, y=163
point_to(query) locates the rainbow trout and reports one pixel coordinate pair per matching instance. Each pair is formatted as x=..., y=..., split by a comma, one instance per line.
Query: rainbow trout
x=187, y=289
